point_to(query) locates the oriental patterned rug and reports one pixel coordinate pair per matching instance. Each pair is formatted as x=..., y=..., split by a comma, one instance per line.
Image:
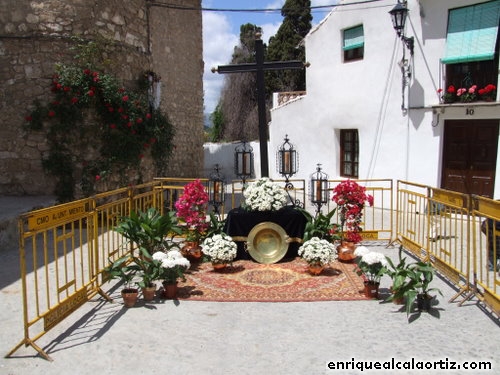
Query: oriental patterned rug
x=289, y=281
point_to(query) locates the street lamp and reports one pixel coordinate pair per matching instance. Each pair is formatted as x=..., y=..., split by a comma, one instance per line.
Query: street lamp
x=398, y=16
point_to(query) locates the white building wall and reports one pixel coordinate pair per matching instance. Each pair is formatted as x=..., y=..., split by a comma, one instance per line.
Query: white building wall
x=223, y=155
x=366, y=95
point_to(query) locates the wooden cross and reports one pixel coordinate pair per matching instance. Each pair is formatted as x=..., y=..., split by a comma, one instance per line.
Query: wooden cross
x=260, y=66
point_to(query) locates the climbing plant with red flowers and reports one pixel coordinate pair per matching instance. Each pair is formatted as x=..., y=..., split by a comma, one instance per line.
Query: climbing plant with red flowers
x=94, y=127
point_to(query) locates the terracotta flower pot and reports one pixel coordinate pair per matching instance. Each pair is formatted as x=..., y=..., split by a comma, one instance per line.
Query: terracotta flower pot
x=130, y=296
x=148, y=293
x=192, y=250
x=371, y=289
x=169, y=291
x=315, y=269
x=218, y=266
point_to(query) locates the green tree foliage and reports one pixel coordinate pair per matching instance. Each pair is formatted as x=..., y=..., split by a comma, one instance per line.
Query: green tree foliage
x=285, y=45
x=217, y=130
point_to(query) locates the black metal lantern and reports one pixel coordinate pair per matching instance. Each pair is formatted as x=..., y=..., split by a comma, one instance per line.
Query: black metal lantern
x=398, y=16
x=287, y=159
x=319, y=188
x=243, y=161
x=216, y=189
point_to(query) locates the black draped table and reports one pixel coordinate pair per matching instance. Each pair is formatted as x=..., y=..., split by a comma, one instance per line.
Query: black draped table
x=239, y=224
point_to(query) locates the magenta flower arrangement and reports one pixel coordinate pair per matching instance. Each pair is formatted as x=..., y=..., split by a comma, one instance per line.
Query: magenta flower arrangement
x=191, y=208
x=351, y=198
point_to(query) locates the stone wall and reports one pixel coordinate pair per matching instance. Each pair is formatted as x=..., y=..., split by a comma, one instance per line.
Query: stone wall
x=143, y=35
x=177, y=48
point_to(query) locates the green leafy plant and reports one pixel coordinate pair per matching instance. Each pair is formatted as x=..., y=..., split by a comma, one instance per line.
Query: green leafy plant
x=147, y=268
x=150, y=230
x=399, y=275
x=419, y=278
x=121, y=269
x=320, y=226
x=215, y=226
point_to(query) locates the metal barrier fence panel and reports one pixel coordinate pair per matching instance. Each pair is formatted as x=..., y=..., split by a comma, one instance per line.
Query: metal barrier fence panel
x=448, y=237
x=64, y=250
x=57, y=266
x=411, y=221
x=485, y=227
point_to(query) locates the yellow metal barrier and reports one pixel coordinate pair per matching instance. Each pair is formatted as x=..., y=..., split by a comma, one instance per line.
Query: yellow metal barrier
x=411, y=222
x=451, y=230
x=58, y=271
x=64, y=249
x=448, y=236
x=485, y=225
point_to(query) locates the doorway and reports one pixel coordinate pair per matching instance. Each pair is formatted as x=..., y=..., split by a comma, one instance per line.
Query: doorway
x=469, y=156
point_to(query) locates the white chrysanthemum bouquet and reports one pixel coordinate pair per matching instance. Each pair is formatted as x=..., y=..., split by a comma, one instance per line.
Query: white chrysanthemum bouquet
x=173, y=265
x=317, y=250
x=220, y=248
x=264, y=195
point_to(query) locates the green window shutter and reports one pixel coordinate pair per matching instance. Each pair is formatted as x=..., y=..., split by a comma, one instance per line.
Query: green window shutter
x=353, y=38
x=472, y=33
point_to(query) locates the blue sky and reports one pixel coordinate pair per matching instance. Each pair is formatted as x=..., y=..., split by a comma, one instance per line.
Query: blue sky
x=221, y=34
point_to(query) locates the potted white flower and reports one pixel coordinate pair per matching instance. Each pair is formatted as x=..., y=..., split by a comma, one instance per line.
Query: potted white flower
x=264, y=195
x=221, y=249
x=317, y=253
x=173, y=267
x=372, y=266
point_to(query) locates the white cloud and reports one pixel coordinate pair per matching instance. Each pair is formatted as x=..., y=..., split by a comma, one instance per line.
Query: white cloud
x=316, y=3
x=218, y=45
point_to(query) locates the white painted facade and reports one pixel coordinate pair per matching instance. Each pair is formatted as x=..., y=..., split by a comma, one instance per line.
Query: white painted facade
x=367, y=95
